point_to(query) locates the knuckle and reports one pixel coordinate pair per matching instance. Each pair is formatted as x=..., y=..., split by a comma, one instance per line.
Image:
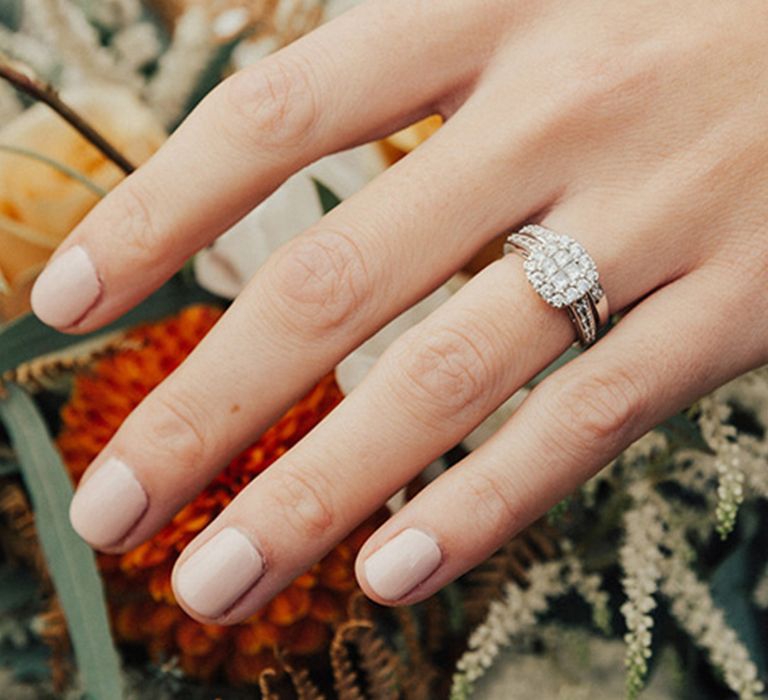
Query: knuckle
x=275, y=101
x=444, y=369
x=132, y=214
x=305, y=503
x=321, y=282
x=174, y=428
x=603, y=84
x=598, y=409
x=492, y=499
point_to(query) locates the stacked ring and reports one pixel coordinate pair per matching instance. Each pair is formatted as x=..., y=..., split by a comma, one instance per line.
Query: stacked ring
x=564, y=275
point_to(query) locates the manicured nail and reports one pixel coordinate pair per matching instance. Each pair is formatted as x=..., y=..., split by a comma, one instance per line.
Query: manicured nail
x=218, y=573
x=66, y=289
x=108, y=504
x=402, y=564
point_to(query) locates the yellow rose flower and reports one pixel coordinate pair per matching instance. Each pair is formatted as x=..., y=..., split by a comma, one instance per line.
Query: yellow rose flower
x=404, y=141
x=39, y=205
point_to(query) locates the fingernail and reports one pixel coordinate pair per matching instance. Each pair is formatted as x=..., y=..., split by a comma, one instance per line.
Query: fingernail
x=66, y=289
x=108, y=504
x=402, y=564
x=218, y=573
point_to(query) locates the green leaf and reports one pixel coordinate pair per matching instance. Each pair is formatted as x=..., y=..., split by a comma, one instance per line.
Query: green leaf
x=10, y=13
x=328, y=198
x=17, y=588
x=71, y=562
x=683, y=433
x=732, y=583
x=8, y=467
x=26, y=338
x=211, y=75
x=30, y=664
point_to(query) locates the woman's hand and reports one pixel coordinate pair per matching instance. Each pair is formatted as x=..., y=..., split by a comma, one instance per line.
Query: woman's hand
x=637, y=128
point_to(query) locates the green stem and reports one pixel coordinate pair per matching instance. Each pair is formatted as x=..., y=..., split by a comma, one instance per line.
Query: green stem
x=56, y=165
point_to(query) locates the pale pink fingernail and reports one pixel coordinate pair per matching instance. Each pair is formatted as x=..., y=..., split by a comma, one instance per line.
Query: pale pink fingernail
x=402, y=564
x=107, y=506
x=66, y=289
x=218, y=573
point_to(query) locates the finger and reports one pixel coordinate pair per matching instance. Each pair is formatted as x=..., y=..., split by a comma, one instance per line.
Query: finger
x=247, y=136
x=666, y=353
x=314, y=301
x=428, y=391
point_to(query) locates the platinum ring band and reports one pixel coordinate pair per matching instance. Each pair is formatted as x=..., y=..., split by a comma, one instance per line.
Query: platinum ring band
x=564, y=275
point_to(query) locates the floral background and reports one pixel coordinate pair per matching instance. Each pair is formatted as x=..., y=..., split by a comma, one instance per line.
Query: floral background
x=651, y=581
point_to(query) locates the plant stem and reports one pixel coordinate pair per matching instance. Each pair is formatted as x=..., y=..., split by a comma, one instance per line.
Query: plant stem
x=56, y=165
x=46, y=94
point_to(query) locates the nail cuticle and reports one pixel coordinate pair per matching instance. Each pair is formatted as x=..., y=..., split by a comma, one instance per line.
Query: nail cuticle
x=213, y=579
x=402, y=564
x=68, y=289
x=109, y=505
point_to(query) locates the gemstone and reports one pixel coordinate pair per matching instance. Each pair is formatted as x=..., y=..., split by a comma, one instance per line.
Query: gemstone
x=558, y=300
x=560, y=281
x=571, y=295
x=562, y=257
x=548, y=266
x=573, y=270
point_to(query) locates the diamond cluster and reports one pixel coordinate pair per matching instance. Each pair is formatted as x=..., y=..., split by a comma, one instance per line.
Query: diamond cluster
x=558, y=267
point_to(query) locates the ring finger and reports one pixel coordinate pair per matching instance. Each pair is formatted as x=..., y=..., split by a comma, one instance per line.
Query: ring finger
x=429, y=390
x=314, y=301
x=665, y=354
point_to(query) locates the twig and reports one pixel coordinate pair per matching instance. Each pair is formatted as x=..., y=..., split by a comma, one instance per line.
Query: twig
x=47, y=95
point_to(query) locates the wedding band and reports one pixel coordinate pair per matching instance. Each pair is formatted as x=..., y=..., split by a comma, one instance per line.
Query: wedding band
x=564, y=275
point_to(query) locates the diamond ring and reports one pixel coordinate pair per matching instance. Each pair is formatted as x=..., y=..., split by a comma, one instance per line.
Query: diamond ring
x=564, y=275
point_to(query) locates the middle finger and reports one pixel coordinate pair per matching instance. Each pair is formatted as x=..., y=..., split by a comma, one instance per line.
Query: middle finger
x=313, y=302
x=428, y=391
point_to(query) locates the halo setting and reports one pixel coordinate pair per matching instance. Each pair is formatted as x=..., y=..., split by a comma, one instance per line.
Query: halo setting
x=563, y=274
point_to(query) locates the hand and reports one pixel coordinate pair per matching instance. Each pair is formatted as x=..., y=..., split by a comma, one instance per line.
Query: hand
x=637, y=128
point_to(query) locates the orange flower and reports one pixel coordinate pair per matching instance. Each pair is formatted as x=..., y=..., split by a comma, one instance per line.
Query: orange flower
x=300, y=619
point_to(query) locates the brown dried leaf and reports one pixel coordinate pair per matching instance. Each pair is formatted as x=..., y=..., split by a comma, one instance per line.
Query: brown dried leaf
x=302, y=683
x=266, y=679
x=346, y=679
x=537, y=543
x=41, y=373
x=381, y=664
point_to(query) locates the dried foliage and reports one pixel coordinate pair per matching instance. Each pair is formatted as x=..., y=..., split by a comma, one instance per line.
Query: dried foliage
x=45, y=373
x=347, y=678
x=52, y=628
x=266, y=681
x=18, y=536
x=537, y=543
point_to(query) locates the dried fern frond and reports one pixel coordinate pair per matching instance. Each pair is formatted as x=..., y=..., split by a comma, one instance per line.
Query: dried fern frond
x=266, y=678
x=18, y=535
x=436, y=624
x=359, y=607
x=536, y=544
x=346, y=678
x=381, y=665
x=51, y=626
x=45, y=372
x=303, y=685
x=373, y=672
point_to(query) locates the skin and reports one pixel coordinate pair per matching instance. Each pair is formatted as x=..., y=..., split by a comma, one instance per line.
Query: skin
x=638, y=128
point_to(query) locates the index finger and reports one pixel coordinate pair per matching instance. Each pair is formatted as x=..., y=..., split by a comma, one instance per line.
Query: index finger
x=242, y=141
